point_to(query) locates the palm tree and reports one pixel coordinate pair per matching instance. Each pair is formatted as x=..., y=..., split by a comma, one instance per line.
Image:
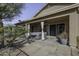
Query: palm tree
x=8, y=11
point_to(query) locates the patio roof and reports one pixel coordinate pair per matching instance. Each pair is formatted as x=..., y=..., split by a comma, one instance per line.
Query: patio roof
x=50, y=13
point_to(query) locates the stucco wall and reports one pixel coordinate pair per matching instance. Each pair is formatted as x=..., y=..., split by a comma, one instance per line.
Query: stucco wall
x=52, y=8
x=73, y=28
x=36, y=27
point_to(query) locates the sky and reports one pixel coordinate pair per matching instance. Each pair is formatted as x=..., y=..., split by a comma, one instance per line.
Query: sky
x=29, y=10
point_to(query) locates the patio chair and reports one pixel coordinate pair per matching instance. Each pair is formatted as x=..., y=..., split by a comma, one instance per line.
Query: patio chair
x=63, y=38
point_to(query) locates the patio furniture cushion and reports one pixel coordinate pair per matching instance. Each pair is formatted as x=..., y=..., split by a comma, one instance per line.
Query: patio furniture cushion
x=63, y=38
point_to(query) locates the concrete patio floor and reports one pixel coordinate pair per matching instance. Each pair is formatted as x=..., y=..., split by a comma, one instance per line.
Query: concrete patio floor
x=48, y=47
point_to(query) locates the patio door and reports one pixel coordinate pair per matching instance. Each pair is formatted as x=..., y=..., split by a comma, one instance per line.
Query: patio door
x=53, y=30
x=60, y=28
x=57, y=29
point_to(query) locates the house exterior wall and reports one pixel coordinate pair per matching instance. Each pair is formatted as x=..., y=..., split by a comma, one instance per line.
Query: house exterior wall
x=73, y=28
x=35, y=28
x=52, y=8
x=64, y=20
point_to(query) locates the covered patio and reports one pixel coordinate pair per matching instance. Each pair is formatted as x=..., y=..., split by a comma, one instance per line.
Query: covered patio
x=62, y=22
x=50, y=27
x=55, y=23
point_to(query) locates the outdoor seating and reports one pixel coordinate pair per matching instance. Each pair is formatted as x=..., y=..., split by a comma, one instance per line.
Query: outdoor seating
x=62, y=38
x=38, y=35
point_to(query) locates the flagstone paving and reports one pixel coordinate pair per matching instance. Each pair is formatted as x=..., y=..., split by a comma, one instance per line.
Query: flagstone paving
x=47, y=47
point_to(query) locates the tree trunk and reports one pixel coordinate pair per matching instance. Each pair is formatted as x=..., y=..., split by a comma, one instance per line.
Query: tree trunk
x=1, y=35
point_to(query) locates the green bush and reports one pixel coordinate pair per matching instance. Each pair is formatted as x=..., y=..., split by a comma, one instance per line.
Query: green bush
x=15, y=31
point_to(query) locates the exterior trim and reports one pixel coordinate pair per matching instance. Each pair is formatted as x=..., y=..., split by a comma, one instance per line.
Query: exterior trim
x=49, y=18
x=57, y=11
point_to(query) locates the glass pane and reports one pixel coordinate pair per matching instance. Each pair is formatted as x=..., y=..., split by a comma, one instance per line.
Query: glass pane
x=61, y=28
x=53, y=30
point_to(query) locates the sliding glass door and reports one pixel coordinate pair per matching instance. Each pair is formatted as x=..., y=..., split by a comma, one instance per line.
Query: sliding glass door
x=57, y=29
x=53, y=30
x=60, y=28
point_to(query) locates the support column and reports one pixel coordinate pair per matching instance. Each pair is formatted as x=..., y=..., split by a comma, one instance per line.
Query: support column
x=28, y=27
x=42, y=30
x=73, y=28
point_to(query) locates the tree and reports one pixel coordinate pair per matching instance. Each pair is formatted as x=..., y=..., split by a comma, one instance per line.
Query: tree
x=12, y=32
x=8, y=11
